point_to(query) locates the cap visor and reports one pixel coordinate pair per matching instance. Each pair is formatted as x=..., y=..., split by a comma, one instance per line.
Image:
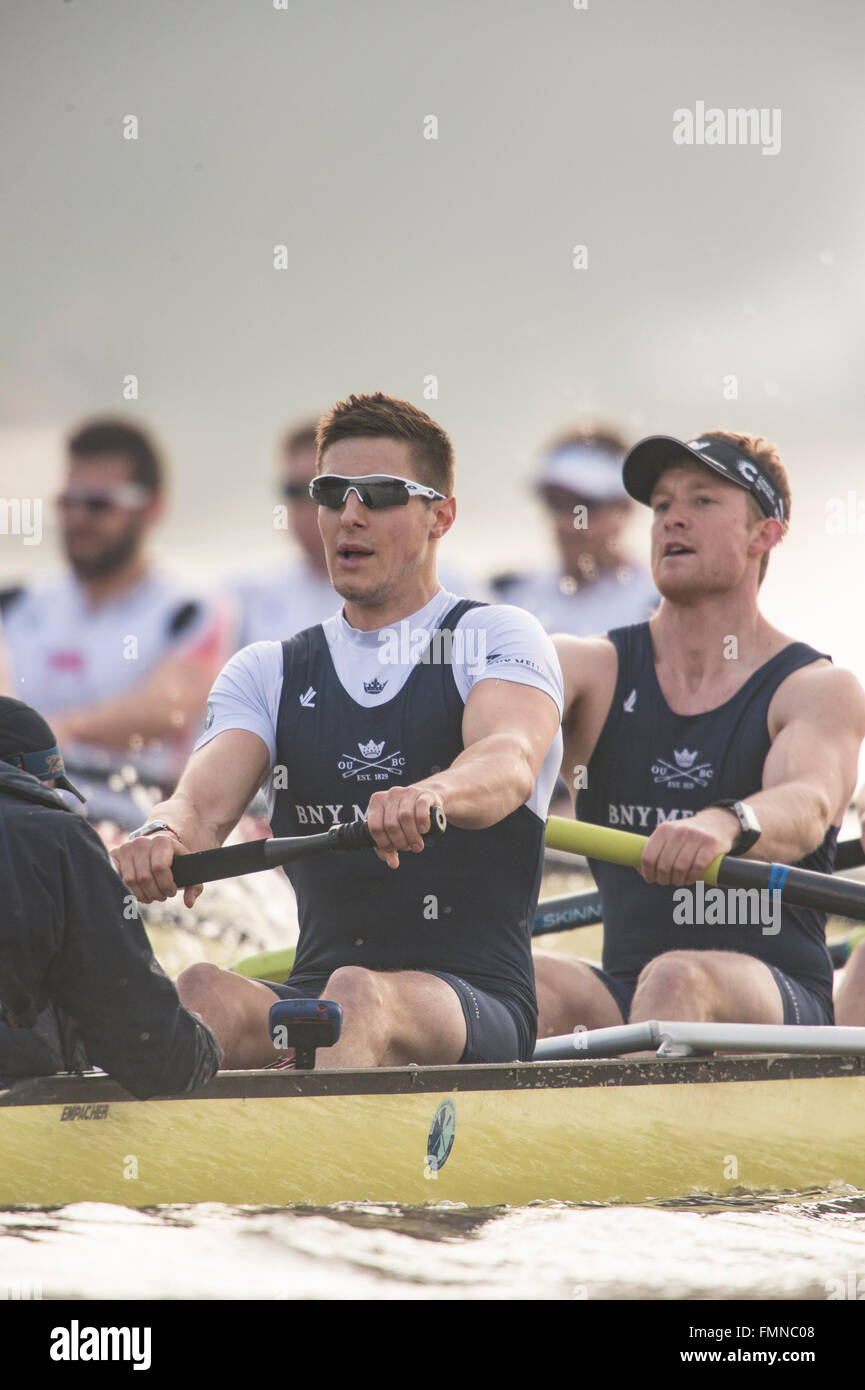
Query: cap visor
x=648, y=459
x=66, y=785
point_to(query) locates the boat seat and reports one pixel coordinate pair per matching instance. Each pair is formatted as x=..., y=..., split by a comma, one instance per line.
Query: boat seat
x=305, y=1025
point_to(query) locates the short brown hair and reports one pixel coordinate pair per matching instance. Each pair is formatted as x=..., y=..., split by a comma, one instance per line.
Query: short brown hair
x=385, y=417
x=105, y=436
x=302, y=436
x=590, y=436
x=761, y=452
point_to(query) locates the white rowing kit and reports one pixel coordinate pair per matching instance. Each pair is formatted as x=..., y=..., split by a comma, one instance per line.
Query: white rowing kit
x=66, y=654
x=495, y=642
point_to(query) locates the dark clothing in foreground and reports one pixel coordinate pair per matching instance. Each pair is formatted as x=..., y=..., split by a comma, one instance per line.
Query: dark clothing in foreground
x=73, y=950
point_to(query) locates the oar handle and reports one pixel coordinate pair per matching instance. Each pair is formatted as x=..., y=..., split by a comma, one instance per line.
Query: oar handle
x=209, y=865
x=356, y=835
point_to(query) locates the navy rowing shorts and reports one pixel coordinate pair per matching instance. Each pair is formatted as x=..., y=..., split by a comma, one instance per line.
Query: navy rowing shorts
x=801, y=1004
x=497, y=1029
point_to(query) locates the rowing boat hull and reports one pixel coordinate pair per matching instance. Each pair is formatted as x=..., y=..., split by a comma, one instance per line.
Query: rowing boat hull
x=599, y=1131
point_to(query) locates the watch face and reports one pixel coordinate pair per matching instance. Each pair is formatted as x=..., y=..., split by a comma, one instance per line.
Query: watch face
x=148, y=829
x=748, y=817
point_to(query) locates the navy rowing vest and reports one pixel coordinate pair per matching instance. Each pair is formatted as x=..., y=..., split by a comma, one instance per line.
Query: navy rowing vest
x=651, y=765
x=466, y=904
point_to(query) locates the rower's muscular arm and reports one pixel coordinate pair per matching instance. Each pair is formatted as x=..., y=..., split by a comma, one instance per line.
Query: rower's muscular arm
x=589, y=671
x=817, y=724
x=218, y=784
x=507, y=731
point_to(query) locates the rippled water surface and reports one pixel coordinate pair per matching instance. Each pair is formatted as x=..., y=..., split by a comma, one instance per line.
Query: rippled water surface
x=800, y=1247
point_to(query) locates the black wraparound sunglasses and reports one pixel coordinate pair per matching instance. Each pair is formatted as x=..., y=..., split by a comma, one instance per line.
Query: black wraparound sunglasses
x=295, y=492
x=374, y=490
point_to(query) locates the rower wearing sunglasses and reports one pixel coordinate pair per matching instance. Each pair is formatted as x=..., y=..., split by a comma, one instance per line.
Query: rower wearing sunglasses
x=119, y=655
x=277, y=603
x=408, y=698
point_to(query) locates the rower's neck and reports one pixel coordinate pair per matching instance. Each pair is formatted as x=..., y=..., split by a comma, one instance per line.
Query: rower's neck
x=710, y=643
x=102, y=590
x=367, y=618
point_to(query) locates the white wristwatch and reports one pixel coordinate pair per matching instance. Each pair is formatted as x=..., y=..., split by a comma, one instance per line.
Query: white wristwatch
x=150, y=828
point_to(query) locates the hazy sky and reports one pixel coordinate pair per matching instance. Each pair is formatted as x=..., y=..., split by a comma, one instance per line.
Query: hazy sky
x=410, y=257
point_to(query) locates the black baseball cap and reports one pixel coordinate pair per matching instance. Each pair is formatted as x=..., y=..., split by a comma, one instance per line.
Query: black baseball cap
x=27, y=741
x=648, y=459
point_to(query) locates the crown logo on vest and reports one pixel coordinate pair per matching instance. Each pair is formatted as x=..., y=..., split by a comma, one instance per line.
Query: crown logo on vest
x=371, y=749
x=685, y=773
x=374, y=687
x=371, y=766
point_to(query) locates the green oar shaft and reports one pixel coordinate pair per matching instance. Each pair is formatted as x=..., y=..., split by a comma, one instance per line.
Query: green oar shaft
x=798, y=887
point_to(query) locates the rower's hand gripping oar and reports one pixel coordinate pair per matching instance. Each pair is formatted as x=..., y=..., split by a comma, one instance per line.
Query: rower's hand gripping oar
x=208, y=865
x=798, y=887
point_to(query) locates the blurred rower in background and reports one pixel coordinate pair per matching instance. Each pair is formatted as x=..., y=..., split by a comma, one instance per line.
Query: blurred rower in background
x=595, y=585
x=118, y=656
x=298, y=594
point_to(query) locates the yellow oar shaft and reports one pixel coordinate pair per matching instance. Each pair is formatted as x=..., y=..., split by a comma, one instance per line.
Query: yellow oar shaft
x=600, y=842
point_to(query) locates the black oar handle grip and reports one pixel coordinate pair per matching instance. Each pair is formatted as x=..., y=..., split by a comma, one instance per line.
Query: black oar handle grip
x=208, y=865
x=356, y=835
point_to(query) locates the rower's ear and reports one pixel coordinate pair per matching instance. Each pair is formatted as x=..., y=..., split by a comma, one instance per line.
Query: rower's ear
x=443, y=516
x=767, y=534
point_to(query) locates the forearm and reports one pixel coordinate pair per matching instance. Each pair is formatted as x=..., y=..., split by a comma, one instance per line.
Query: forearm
x=794, y=818
x=217, y=785
x=126, y=722
x=485, y=783
x=193, y=827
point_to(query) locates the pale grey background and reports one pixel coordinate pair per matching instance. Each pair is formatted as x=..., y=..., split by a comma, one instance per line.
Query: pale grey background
x=452, y=257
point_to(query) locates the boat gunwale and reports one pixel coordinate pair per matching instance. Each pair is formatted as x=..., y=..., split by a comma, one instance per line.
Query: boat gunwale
x=92, y=1088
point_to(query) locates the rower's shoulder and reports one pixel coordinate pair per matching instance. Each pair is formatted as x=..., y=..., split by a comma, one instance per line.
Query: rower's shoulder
x=822, y=676
x=821, y=688
x=585, y=659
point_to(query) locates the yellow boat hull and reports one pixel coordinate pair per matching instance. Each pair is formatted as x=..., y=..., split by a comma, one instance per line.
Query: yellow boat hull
x=609, y=1131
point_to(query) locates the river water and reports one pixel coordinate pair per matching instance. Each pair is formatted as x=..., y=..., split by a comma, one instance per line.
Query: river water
x=805, y=1247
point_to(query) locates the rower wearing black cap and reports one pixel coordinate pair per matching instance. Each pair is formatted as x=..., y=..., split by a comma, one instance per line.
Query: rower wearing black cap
x=710, y=732
x=79, y=984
